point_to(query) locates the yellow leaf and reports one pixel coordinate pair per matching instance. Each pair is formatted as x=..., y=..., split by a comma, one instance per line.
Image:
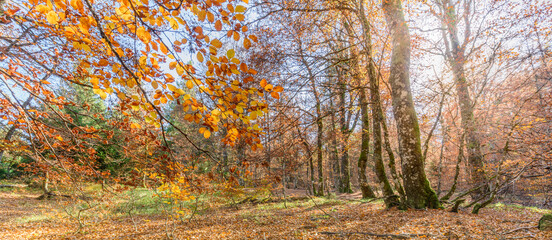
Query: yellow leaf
x=164, y=48
x=200, y=56
x=201, y=15
x=171, y=87
x=206, y=134
x=216, y=43
x=144, y=35
x=263, y=83
x=76, y=4
x=180, y=91
x=100, y=92
x=230, y=53
x=240, y=17
x=179, y=70
x=189, y=84
x=240, y=8
x=239, y=109
x=95, y=81
x=58, y=137
x=52, y=17
x=210, y=17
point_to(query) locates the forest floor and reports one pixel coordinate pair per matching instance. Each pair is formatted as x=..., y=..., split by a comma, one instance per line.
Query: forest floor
x=22, y=216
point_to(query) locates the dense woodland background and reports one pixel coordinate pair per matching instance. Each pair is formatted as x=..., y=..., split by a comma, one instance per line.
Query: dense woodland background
x=423, y=104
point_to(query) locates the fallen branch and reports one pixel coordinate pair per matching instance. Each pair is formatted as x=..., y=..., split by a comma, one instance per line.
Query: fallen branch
x=519, y=229
x=398, y=236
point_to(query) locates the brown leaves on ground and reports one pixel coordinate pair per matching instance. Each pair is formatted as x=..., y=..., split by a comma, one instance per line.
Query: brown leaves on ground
x=300, y=220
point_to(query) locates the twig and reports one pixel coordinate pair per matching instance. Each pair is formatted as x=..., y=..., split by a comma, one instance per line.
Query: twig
x=317, y=206
x=399, y=236
x=519, y=229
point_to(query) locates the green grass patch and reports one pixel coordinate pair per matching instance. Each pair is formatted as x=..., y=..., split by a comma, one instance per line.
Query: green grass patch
x=34, y=218
x=140, y=201
x=503, y=206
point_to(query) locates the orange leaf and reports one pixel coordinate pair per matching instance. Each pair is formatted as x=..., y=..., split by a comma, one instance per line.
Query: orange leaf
x=278, y=89
x=246, y=43
x=275, y=95
x=103, y=63
x=200, y=57
x=240, y=17
x=216, y=43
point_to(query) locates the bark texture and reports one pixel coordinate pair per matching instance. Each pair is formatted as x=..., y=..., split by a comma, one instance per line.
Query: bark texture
x=419, y=193
x=390, y=198
x=367, y=191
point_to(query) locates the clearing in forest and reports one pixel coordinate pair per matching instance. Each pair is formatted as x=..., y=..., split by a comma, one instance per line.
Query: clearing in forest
x=138, y=214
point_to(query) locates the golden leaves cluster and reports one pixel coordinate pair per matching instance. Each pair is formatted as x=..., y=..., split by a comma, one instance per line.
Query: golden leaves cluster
x=122, y=49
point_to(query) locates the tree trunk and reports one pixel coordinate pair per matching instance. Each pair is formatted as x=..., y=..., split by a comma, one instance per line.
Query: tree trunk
x=334, y=153
x=390, y=197
x=457, y=60
x=319, y=124
x=345, y=170
x=367, y=191
x=419, y=193
x=319, y=145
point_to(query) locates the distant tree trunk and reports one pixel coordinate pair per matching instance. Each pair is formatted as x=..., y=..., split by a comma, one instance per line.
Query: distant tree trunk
x=419, y=193
x=319, y=124
x=319, y=145
x=240, y=162
x=345, y=169
x=335, y=153
x=391, y=155
x=455, y=55
x=440, y=167
x=311, y=164
x=367, y=191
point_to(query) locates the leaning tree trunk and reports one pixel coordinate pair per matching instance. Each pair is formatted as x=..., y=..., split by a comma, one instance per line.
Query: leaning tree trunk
x=319, y=124
x=419, y=193
x=390, y=198
x=457, y=60
x=357, y=77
